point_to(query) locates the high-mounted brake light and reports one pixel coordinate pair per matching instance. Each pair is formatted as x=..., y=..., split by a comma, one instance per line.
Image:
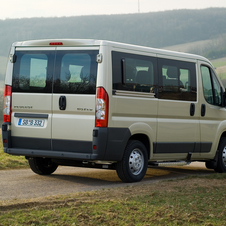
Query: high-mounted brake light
x=7, y=103
x=102, y=105
x=56, y=43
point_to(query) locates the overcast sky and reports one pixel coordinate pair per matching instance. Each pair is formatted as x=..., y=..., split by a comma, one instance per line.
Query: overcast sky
x=59, y=8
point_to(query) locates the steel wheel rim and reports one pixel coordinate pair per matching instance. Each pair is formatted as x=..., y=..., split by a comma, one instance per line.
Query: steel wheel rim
x=136, y=161
x=224, y=156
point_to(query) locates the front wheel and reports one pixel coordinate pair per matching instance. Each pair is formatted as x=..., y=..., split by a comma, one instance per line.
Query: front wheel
x=221, y=159
x=134, y=163
x=42, y=166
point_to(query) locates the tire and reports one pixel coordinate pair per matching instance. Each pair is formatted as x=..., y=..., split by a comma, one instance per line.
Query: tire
x=221, y=159
x=42, y=166
x=133, y=166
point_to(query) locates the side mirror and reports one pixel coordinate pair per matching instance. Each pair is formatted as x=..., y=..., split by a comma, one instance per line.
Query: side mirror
x=223, y=98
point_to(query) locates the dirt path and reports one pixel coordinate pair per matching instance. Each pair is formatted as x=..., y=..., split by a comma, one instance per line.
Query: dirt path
x=24, y=184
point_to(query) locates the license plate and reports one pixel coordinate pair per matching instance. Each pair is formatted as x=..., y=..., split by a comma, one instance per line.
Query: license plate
x=31, y=122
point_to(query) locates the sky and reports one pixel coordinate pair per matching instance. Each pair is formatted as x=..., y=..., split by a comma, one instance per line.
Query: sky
x=11, y=9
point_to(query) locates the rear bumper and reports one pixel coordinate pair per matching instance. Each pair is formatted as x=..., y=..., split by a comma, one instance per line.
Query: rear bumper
x=108, y=144
x=50, y=154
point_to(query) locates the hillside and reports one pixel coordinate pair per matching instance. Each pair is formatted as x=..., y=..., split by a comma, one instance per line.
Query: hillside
x=156, y=29
x=3, y=62
x=205, y=27
x=211, y=48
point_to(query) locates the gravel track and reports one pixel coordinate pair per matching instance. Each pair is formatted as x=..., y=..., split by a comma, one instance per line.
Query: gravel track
x=24, y=184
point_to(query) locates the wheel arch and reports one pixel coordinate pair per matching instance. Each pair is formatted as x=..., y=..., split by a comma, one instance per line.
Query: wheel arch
x=223, y=134
x=144, y=133
x=144, y=139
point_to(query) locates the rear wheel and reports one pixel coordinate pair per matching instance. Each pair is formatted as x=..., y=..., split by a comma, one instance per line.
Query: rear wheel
x=42, y=166
x=134, y=163
x=221, y=159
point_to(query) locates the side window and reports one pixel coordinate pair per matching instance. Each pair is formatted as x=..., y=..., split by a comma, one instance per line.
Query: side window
x=211, y=86
x=31, y=72
x=76, y=72
x=133, y=72
x=177, y=80
x=216, y=90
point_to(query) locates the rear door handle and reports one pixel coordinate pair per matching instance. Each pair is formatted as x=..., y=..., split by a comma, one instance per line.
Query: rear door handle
x=203, y=110
x=192, y=109
x=62, y=103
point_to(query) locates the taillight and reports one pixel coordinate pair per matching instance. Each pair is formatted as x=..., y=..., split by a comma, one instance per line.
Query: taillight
x=7, y=104
x=102, y=103
x=56, y=43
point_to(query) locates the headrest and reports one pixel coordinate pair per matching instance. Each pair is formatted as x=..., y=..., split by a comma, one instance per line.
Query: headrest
x=85, y=74
x=143, y=77
x=65, y=74
x=172, y=72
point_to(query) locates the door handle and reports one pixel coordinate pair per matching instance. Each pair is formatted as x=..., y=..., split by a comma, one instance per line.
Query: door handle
x=192, y=109
x=203, y=110
x=62, y=103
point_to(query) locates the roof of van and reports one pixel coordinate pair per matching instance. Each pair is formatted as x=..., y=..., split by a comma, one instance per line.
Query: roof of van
x=93, y=42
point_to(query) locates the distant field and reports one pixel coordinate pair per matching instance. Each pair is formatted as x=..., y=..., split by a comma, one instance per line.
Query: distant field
x=191, y=47
x=3, y=63
x=219, y=62
x=220, y=65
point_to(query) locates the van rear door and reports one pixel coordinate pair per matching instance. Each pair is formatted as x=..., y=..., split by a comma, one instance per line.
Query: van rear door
x=32, y=98
x=74, y=90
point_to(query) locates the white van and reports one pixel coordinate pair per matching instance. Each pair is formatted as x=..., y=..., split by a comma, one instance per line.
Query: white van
x=110, y=105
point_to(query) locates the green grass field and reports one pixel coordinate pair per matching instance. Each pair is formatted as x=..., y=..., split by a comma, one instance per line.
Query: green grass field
x=191, y=201
x=9, y=161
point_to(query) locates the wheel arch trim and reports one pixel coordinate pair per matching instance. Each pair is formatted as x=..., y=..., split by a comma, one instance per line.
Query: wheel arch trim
x=144, y=133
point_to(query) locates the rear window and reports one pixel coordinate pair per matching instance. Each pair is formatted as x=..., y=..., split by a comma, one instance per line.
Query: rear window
x=76, y=72
x=33, y=71
x=59, y=71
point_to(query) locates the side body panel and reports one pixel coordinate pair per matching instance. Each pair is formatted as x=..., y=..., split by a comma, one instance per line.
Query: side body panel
x=136, y=110
x=213, y=122
x=178, y=131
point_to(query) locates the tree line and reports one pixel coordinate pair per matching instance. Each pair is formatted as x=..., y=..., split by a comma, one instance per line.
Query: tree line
x=155, y=29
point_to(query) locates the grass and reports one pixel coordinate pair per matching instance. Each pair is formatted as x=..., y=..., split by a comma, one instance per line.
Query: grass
x=191, y=201
x=10, y=161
